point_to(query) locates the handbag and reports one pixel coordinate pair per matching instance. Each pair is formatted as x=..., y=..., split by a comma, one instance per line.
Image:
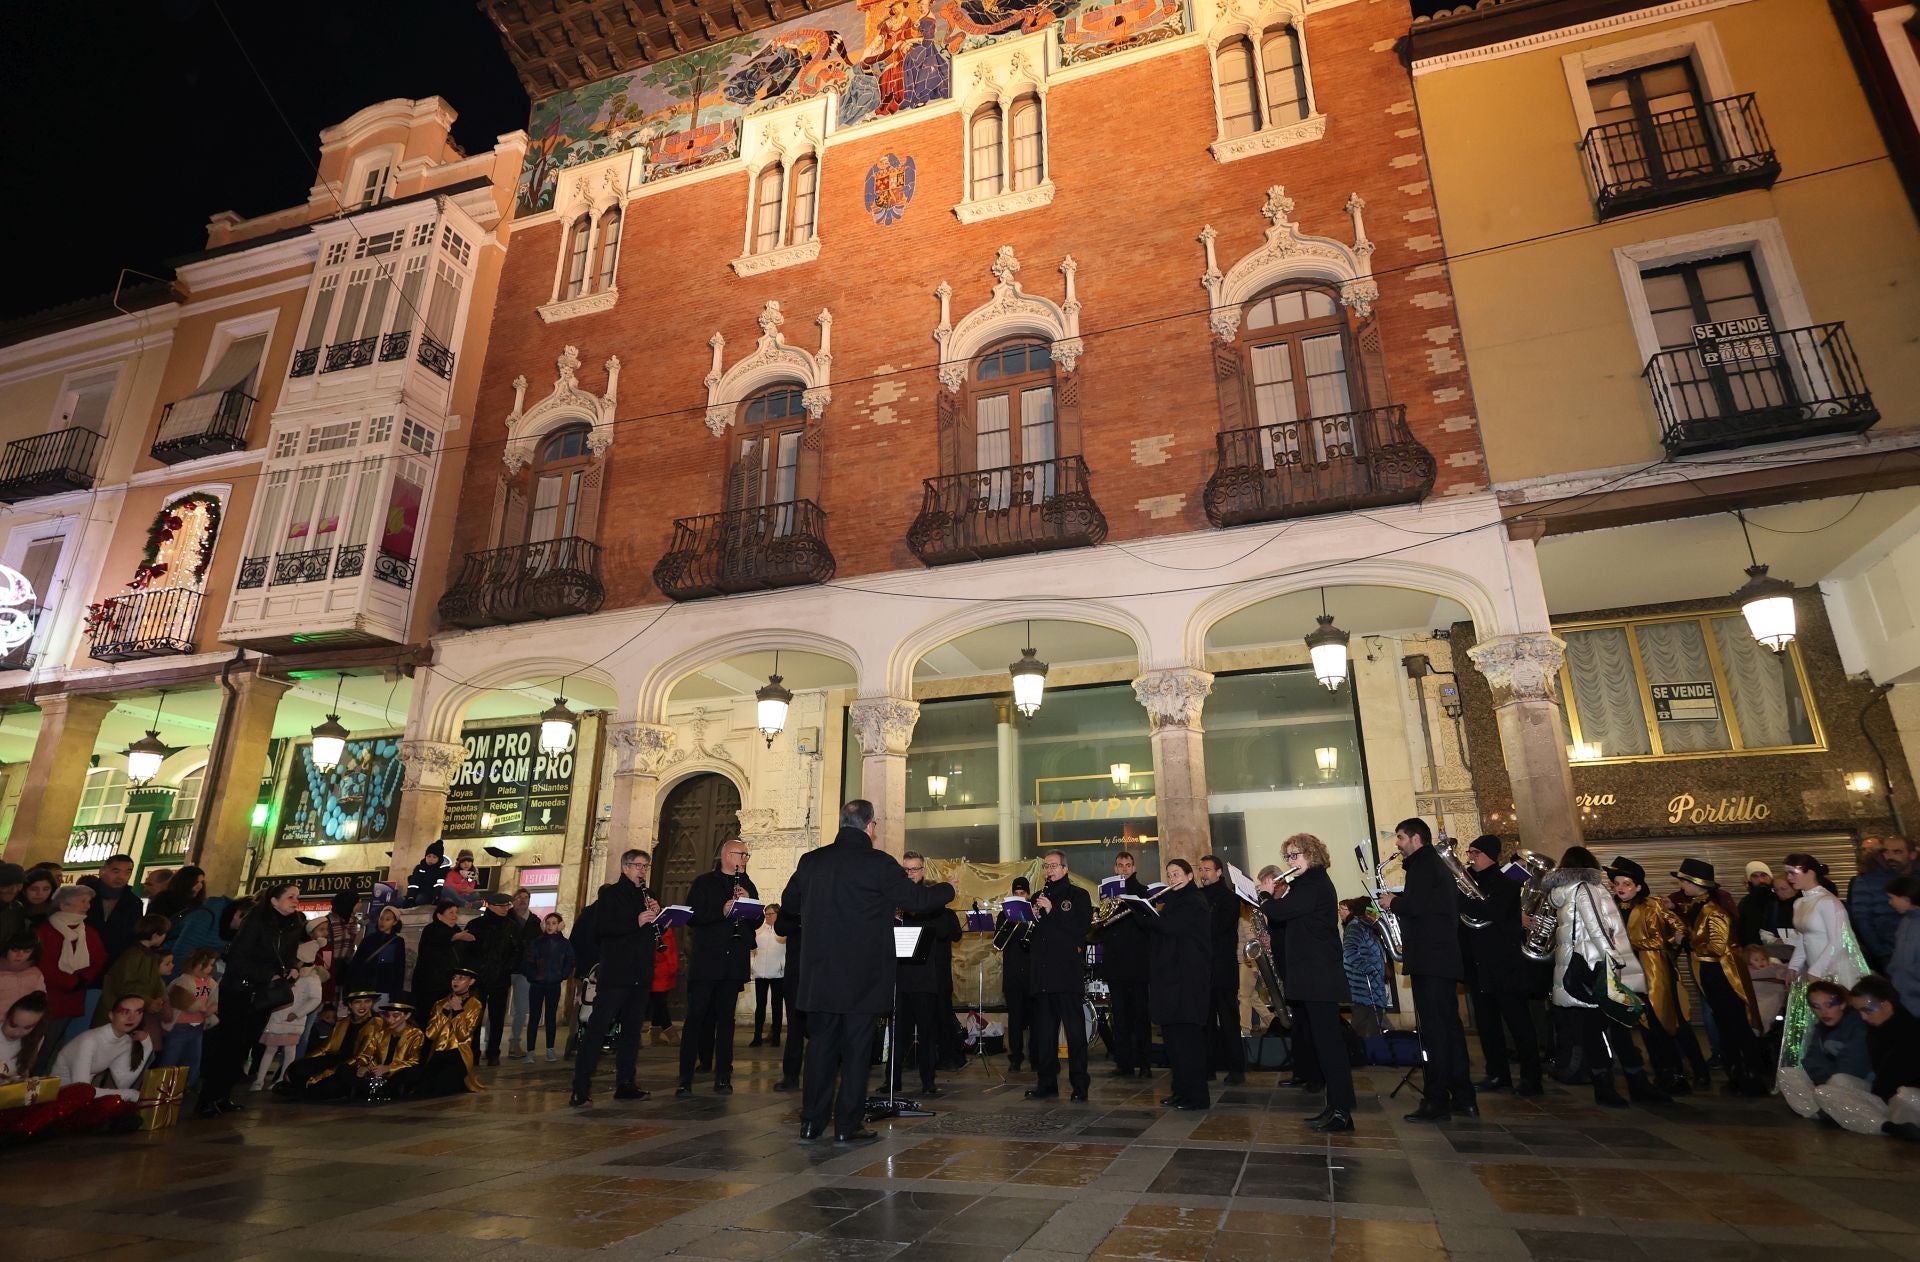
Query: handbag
x=277, y=993
x=1600, y=987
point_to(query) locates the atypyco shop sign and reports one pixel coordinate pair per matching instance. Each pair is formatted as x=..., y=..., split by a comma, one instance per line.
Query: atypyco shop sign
x=509, y=786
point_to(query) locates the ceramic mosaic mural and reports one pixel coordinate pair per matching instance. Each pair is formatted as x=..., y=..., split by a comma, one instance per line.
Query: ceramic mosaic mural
x=879, y=56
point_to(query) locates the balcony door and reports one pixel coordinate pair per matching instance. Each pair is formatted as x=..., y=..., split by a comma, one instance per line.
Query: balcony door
x=1016, y=437
x=1702, y=292
x=559, y=484
x=1652, y=125
x=1297, y=371
x=764, y=483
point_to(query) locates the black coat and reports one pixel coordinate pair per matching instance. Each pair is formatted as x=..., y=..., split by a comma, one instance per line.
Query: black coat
x=1307, y=922
x=722, y=947
x=525, y=933
x=424, y=882
x=845, y=894
x=1429, y=912
x=1124, y=946
x=623, y=946
x=931, y=970
x=1180, y=951
x=1016, y=960
x=1493, y=953
x=265, y=946
x=1060, y=939
x=439, y=956
x=1763, y=912
x=116, y=930
x=1223, y=910
x=495, y=948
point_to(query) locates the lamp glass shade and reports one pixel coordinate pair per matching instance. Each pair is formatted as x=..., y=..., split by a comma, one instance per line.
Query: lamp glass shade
x=144, y=757
x=936, y=787
x=1029, y=682
x=556, y=727
x=1327, y=645
x=1767, y=603
x=329, y=744
x=1122, y=773
x=1327, y=757
x=770, y=704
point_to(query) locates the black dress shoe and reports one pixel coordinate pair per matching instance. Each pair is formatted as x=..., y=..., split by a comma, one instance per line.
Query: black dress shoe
x=1166, y=1101
x=231, y=1106
x=1235, y=1078
x=1322, y=1115
x=861, y=1136
x=810, y=1132
x=683, y=1090
x=757, y=1042
x=1429, y=1113
x=1469, y=1109
x=629, y=1092
x=1499, y=1082
x=1186, y=1107
x=1043, y=1093
x=931, y=1093
x=1303, y=1084
x=493, y=1059
x=207, y=1110
x=723, y=1088
x=1078, y=1097
x=580, y=1100
x=1014, y=1064
x=1145, y=1075
x=786, y=1084
x=1337, y=1121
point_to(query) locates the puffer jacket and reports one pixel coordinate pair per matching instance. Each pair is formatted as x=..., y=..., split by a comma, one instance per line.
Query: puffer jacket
x=1365, y=961
x=1587, y=923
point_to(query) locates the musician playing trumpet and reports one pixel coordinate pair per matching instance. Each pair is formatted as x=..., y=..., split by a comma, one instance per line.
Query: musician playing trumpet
x=1300, y=905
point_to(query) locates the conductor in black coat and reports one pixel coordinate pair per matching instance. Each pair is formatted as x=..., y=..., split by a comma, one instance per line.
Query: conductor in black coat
x=1229, y=1051
x=1180, y=946
x=1063, y=914
x=1124, y=945
x=1501, y=979
x=624, y=937
x=1305, y=912
x=925, y=1013
x=846, y=894
x=1429, y=912
x=722, y=962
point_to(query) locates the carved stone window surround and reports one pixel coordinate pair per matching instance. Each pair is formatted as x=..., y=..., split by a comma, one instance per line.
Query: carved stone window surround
x=1253, y=20
x=1009, y=312
x=566, y=402
x=773, y=360
x=585, y=304
x=1285, y=254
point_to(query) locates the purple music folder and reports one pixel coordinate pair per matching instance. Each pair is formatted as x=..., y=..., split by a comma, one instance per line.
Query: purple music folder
x=671, y=917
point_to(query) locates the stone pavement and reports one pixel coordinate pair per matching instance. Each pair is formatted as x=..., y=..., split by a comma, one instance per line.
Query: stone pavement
x=516, y=1173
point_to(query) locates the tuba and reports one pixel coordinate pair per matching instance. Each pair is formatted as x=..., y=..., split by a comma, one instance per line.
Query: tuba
x=1536, y=909
x=1373, y=879
x=1469, y=889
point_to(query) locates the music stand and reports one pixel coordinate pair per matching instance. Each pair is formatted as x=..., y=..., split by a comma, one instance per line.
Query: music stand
x=906, y=943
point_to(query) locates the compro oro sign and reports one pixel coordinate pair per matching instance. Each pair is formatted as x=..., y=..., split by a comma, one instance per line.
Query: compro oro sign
x=16, y=609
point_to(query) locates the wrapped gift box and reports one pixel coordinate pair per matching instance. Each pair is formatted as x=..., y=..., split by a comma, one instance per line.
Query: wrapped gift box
x=28, y=1091
x=161, y=1091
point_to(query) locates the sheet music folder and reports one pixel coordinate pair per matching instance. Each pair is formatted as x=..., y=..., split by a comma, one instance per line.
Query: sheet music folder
x=906, y=940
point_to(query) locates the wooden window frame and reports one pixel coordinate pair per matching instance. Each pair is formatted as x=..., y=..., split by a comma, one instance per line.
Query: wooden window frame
x=806, y=475
x=956, y=410
x=607, y=250
x=575, y=280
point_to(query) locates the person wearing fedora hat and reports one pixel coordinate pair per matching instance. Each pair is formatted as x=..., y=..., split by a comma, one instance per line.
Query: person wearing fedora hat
x=323, y=1062
x=447, y=1068
x=1720, y=969
x=386, y=1061
x=1655, y=932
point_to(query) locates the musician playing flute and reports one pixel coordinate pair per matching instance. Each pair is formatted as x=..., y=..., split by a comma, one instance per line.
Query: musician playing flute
x=623, y=917
x=1302, y=909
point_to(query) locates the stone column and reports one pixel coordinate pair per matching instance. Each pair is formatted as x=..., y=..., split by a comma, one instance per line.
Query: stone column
x=224, y=821
x=69, y=729
x=1173, y=699
x=1524, y=673
x=1007, y=746
x=884, y=727
x=639, y=751
x=428, y=770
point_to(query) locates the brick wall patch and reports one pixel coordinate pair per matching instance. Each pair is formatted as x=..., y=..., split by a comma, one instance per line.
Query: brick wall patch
x=1148, y=452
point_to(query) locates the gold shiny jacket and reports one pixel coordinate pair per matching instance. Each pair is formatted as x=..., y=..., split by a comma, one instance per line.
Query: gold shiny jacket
x=1655, y=931
x=343, y=1039
x=1714, y=942
x=377, y=1047
x=453, y=1032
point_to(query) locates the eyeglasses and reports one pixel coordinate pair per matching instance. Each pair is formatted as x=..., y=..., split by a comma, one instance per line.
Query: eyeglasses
x=1293, y=854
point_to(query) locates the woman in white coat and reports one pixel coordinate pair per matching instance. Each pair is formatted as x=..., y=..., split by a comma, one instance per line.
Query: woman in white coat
x=1587, y=927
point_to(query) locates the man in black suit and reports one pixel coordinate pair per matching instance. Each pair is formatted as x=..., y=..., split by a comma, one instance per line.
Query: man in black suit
x=623, y=940
x=1223, y=906
x=925, y=1013
x=1063, y=913
x=722, y=959
x=1501, y=978
x=1429, y=912
x=1125, y=967
x=845, y=894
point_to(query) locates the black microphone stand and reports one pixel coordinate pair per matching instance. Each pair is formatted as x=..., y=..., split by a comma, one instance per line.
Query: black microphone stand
x=892, y=1103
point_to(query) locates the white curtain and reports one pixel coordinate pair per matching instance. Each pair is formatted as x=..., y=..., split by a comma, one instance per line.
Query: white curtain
x=1676, y=653
x=1605, y=692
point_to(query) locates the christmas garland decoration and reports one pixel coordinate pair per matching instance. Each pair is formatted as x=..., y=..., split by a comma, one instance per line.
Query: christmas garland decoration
x=166, y=524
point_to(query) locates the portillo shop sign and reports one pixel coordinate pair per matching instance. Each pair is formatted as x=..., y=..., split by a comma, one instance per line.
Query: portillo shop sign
x=1684, y=808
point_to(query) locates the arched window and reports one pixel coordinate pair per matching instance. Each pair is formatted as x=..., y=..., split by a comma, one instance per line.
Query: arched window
x=186, y=803
x=1286, y=77
x=576, y=282
x=103, y=800
x=806, y=199
x=1298, y=359
x=766, y=473
x=769, y=192
x=557, y=479
x=986, y=163
x=1013, y=420
x=1239, y=108
x=609, y=248
x=1029, y=146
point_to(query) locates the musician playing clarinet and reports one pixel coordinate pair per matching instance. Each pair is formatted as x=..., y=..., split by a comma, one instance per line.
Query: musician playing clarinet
x=1063, y=914
x=623, y=926
x=1302, y=908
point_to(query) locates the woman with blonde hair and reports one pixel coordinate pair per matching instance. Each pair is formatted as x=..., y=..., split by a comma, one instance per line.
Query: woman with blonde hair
x=1301, y=904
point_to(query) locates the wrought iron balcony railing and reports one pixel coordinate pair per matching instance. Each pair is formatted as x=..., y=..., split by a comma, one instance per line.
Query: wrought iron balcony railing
x=389, y=568
x=1326, y=464
x=170, y=841
x=253, y=573
x=437, y=358
x=355, y=354
x=394, y=345
x=48, y=464
x=204, y=425
x=304, y=362
x=302, y=567
x=90, y=845
x=747, y=550
x=1765, y=387
x=1000, y=512
x=150, y=623
x=1693, y=151
x=552, y=578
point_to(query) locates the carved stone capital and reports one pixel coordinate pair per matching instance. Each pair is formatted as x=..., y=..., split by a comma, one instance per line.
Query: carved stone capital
x=884, y=725
x=639, y=748
x=1521, y=667
x=1173, y=697
x=431, y=765
x=756, y=822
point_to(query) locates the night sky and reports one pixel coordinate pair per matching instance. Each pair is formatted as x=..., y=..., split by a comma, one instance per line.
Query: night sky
x=129, y=122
